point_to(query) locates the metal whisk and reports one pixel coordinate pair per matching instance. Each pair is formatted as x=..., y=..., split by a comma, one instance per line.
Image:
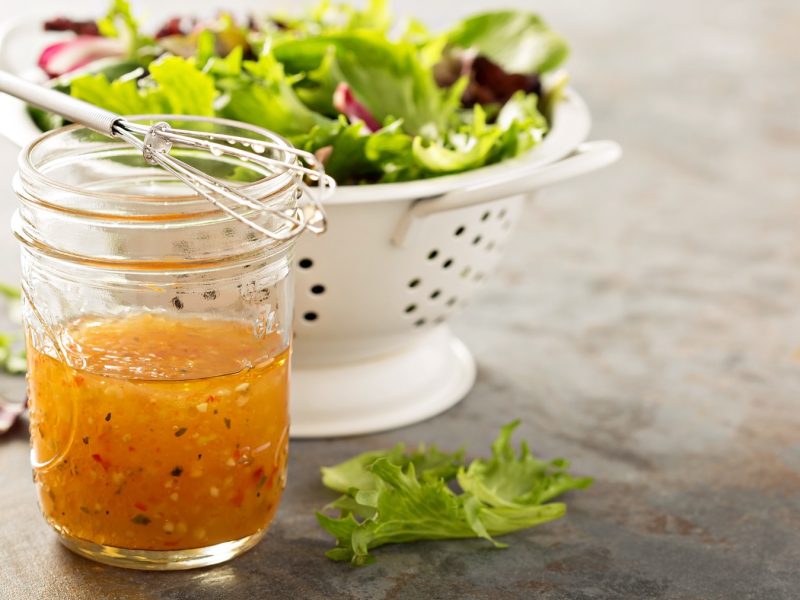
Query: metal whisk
x=156, y=141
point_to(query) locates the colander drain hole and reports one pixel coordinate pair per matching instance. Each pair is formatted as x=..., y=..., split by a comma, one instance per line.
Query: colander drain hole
x=305, y=263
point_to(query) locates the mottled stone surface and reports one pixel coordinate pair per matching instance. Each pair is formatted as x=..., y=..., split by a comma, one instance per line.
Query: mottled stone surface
x=645, y=324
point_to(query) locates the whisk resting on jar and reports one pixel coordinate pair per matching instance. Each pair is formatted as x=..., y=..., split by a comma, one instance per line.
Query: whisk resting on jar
x=156, y=141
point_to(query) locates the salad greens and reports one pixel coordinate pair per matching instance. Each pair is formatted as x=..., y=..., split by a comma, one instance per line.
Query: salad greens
x=375, y=107
x=396, y=496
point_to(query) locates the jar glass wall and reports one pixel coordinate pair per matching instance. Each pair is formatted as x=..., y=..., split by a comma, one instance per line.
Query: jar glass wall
x=158, y=334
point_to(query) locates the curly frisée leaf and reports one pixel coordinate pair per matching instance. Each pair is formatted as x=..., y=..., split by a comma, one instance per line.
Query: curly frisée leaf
x=515, y=480
x=392, y=496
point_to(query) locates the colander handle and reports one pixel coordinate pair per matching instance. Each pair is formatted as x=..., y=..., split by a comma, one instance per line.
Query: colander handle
x=587, y=157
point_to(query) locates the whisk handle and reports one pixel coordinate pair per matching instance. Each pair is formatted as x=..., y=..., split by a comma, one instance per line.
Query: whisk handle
x=75, y=110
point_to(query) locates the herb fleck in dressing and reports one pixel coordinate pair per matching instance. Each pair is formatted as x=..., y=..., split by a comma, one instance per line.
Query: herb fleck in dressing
x=132, y=452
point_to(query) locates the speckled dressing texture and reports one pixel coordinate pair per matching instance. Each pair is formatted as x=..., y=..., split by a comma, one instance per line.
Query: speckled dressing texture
x=646, y=324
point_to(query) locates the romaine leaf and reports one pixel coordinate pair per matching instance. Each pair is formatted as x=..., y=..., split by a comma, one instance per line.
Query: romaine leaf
x=518, y=41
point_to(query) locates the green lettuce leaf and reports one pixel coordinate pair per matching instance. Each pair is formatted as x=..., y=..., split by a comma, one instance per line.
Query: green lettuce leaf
x=266, y=98
x=119, y=22
x=393, y=496
x=403, y=509
x=387, y=77
x=515, y=480
x=428, y=462
x=336, y=17
x=175, y=86
x=518, y=41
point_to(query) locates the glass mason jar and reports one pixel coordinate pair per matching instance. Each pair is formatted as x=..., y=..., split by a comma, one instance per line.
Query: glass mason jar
x=158, y=332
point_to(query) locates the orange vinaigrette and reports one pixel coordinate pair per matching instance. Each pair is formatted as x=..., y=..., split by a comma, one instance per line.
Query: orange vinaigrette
x=171, y=435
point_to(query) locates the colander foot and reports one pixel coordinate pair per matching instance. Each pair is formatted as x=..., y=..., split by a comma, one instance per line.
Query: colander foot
x=384, y=393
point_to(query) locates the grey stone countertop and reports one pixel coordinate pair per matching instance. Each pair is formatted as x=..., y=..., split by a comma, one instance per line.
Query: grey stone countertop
x=645, y=324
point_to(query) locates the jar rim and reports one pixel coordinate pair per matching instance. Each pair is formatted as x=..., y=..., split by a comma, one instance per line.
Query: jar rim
x=96, y=200
x=27, y=166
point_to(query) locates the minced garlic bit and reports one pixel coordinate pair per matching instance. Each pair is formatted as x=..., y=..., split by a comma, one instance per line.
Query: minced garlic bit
x=214, y=491
x=242, y=387
x=202, y=407
x=230, y=462
x=168, y=527
x=174, y=496
x=200, y=533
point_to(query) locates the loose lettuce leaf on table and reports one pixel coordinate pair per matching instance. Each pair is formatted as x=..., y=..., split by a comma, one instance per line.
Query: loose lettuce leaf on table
x=428, y=462
x=518, y=41
x=393, y=496
x=515, y=480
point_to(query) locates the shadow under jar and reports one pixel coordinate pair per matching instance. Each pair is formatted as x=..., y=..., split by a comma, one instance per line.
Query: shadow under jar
x=158, y=332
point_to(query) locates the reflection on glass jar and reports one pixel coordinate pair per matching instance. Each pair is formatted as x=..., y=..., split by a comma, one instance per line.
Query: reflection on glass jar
x=158, y=335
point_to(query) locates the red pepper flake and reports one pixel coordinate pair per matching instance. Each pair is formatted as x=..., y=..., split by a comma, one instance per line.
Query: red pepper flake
x=131, y=449
x=141, y=519
x=258, y=473
x=86, y=439
x=210, y=398
x=141, y=506
x=78, y=379
x=108, y=417
x=176, y=472
x=227, y=422
x=180, y=432
x=238, y=498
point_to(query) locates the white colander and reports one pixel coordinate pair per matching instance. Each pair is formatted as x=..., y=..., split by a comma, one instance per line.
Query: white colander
x=372, y=349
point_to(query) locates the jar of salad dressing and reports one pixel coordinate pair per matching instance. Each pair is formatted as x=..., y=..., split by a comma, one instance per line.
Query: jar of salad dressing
x=158, y=333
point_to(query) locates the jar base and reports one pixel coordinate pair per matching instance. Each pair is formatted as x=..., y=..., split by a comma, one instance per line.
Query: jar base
x=161, y=560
